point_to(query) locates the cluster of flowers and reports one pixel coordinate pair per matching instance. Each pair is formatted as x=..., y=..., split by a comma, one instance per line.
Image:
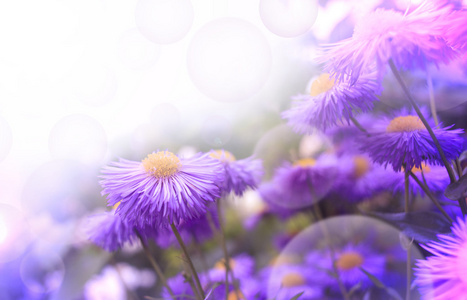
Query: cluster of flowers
x=403, y=151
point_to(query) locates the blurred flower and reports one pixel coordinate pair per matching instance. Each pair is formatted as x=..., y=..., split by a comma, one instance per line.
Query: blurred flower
x=242, y=267
x=456, y=34
x=360, y=178
x=348, y=261
x=330, y=101
x=410, y=40
x=404, y=141
x=436, y=178
x=442, y=275
x=300, y=184
x=114, y=280
x=109, y=231
x=162, y=188
x=288, y=280
x=239, y=174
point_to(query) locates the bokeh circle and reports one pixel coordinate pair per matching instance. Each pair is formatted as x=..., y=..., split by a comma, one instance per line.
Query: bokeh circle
x=320, y=248
x=229, y=60
x=164, y=21
x=288, y=18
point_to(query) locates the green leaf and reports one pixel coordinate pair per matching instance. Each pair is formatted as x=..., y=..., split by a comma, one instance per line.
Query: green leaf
x=297, y=296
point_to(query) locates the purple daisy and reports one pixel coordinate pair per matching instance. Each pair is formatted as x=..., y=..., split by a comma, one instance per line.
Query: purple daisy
x=239, y=174
x=242, y=266
x=360, y=178
x=286, y=281
x=404, y=140
x=348, y=261
x=305, y=182
x=414, y=39
x=162, y=188
x=436, y=178
x=109, y=231
x=443, y=275
x=330, y=101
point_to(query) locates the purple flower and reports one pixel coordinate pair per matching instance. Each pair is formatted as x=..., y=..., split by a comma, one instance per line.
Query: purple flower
x=239, y=174
x=360, y=179
x=331, y=101
x=410, y=40
x=404, y=140
x=109, y=231
x=242, y=266
x=348, y=261
x=443, y=275
x=162, y=188
x=456, y=32
x=301, y=184
x=287, y=281
x=436, y=177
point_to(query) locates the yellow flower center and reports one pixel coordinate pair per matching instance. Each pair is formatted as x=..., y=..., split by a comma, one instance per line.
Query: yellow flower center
x=349, y=260
x=233, y=296
x=322, y=84
x=405, y=123
x=222, y=155
x=162, y=164
x=362, y=166
x=292, y=279
x=220, y=265
x=305, y=162
x=425, y=168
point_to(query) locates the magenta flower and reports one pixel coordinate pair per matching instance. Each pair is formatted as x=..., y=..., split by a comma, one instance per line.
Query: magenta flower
x=239, y=174
x=411, y=40
x=456, y=32
x=330, y=101
x=442, y=275
x=404, y=141
x=162, y=188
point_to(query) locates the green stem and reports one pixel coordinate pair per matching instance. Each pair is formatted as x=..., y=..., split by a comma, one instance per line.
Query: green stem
x=154, y=265
x=358, y=125
x=188, y=259
x=409, y=267
x=429, y=82
x=226, y=255
x=430, y=195
x=324, y=230
x=406, y=190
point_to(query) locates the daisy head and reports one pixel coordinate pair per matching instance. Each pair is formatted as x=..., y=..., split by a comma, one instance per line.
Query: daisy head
x=436, y=178
x=443, y=275
x=241, y=265
x=359, y=178
x=239, y=174
x=331, y=101
x=288, y=280
x=410, y=40
x=162, y=188
x=405, y=141
x=301, y=183
x=347, y=260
